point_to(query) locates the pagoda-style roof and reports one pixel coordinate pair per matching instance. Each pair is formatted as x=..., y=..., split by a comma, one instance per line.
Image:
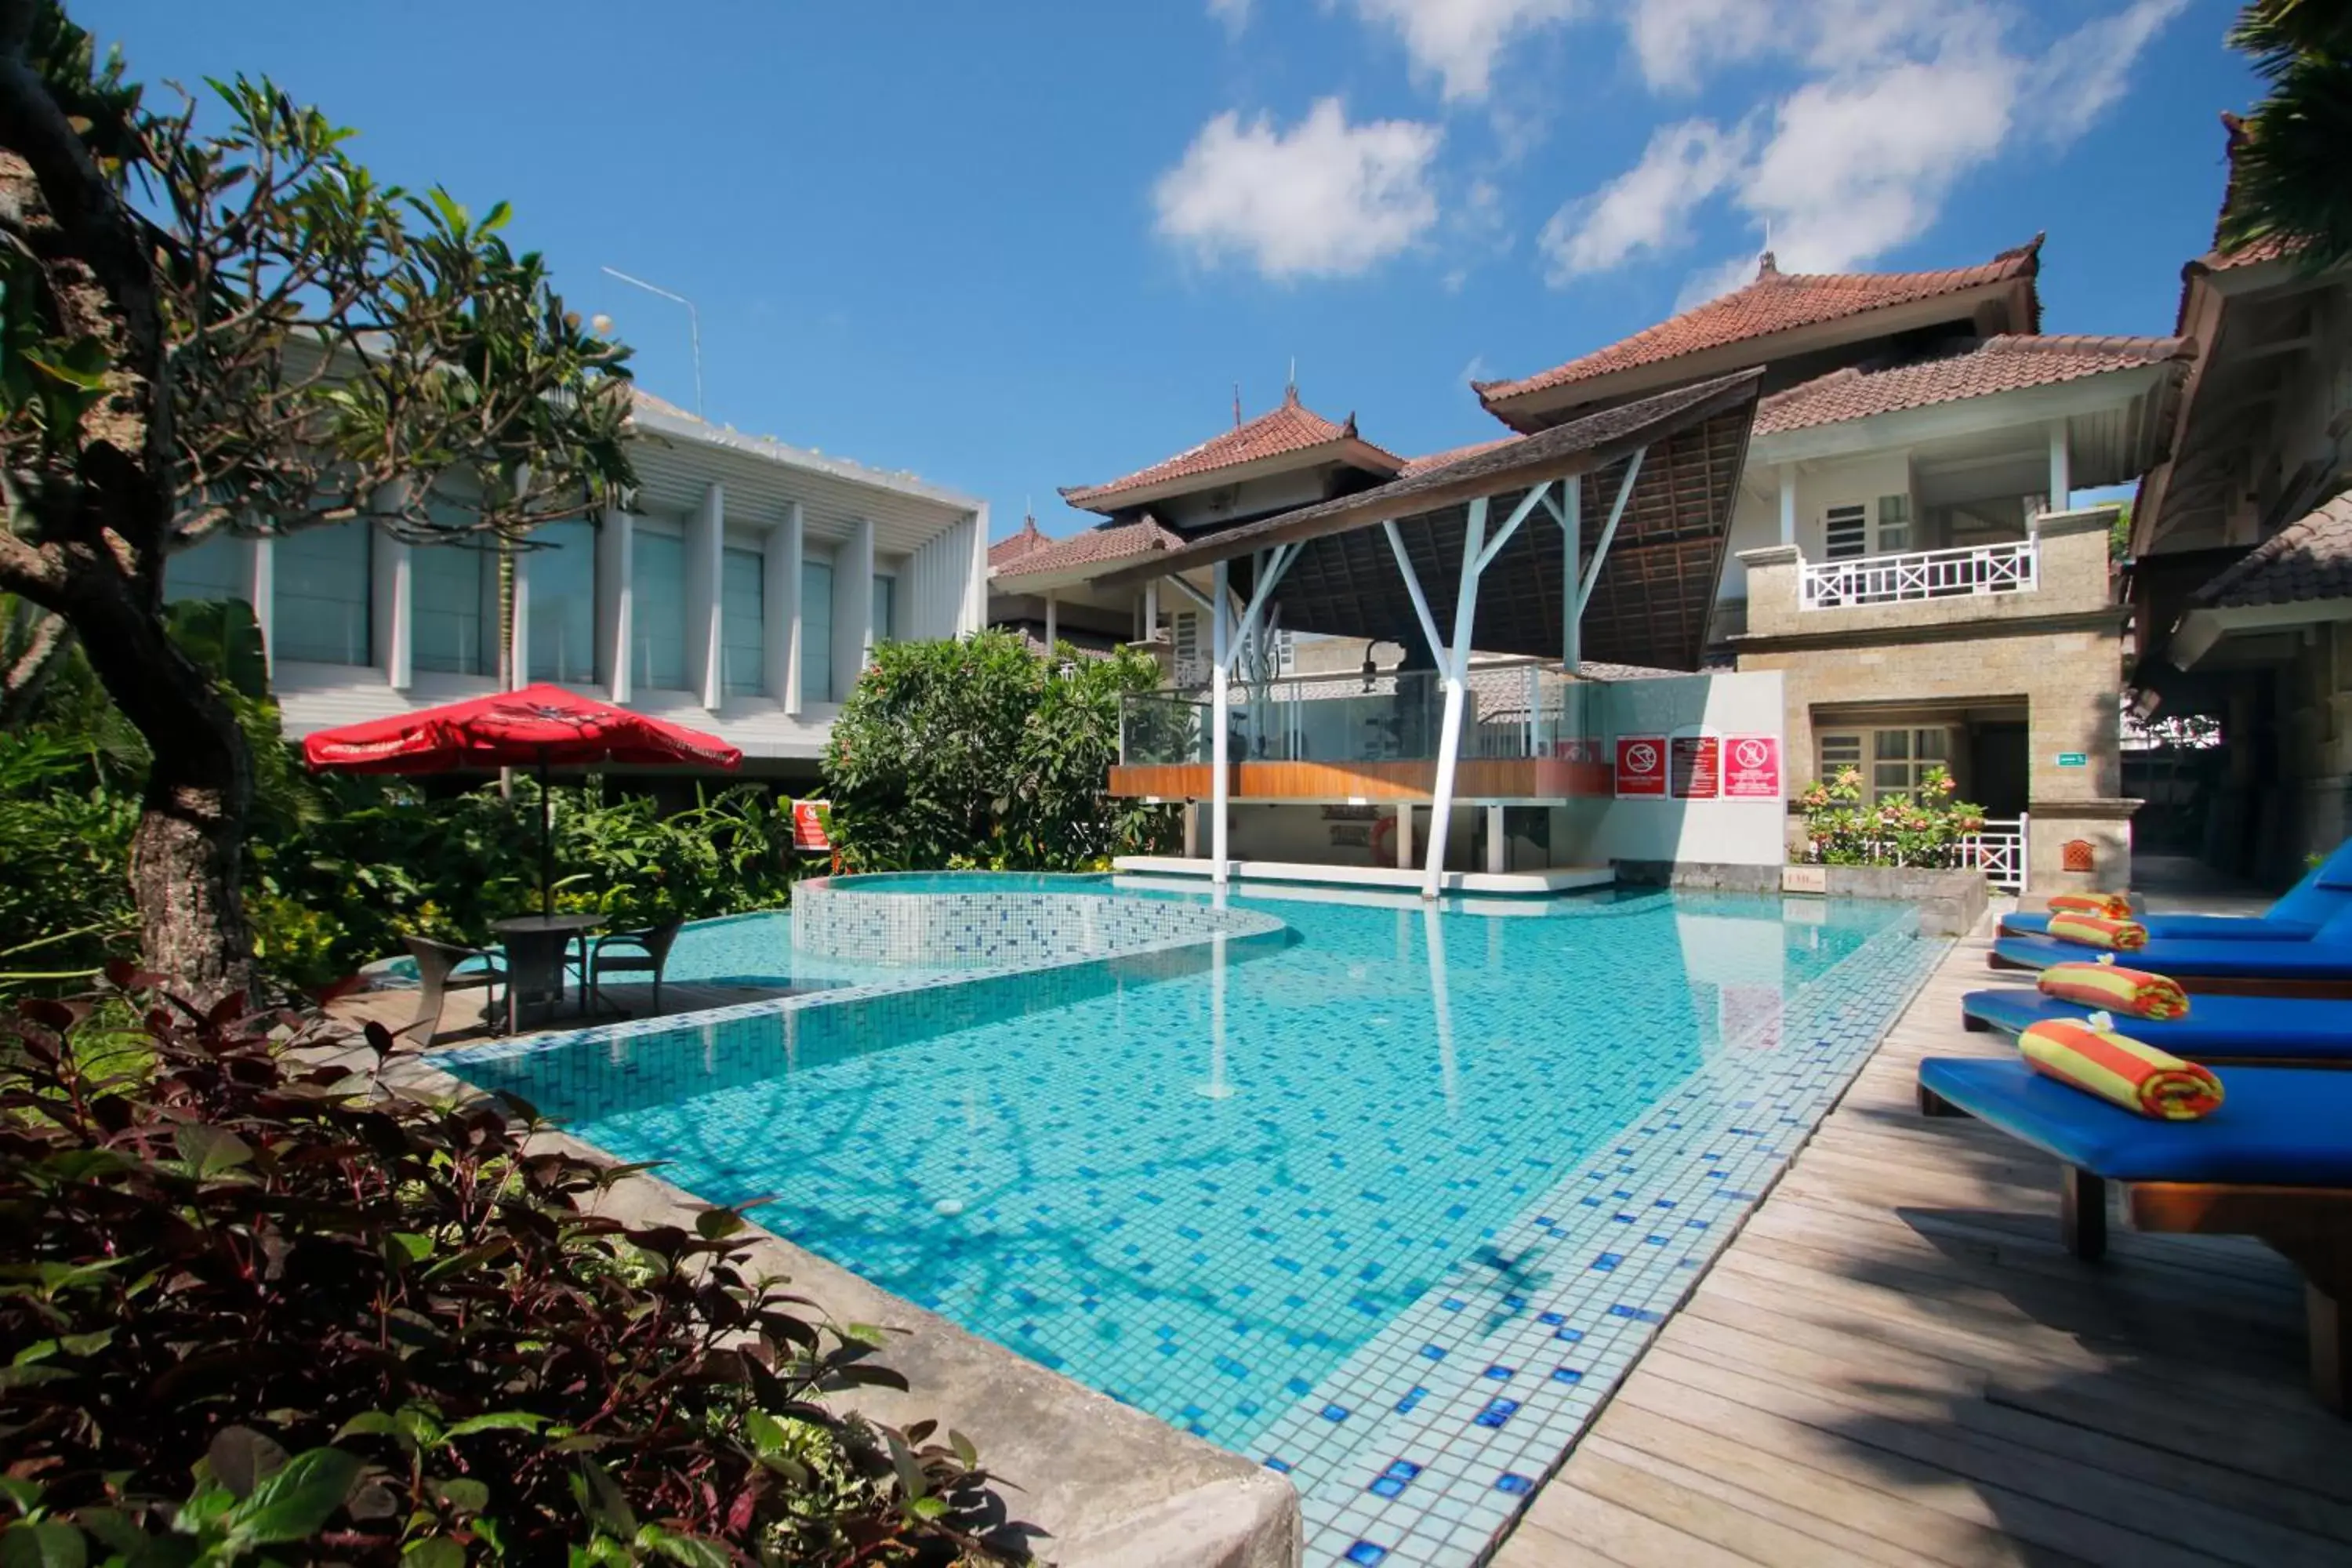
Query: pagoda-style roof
x=1777, y=313
x=1288, y=438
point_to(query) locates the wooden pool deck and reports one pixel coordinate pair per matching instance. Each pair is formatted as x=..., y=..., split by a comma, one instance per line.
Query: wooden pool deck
x=1895, y=1362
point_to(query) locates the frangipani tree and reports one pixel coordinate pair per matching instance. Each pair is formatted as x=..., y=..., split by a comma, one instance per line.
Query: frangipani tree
x=238, y=329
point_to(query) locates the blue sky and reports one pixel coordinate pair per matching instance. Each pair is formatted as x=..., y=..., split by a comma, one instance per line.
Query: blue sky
x=1013, y=246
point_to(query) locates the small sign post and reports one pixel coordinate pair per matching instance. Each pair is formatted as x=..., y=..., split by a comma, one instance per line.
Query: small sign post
x=2073, y=759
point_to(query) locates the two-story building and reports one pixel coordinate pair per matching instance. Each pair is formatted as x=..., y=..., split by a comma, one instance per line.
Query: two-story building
x=1902, y=552
x=1905, y=547
x=738, y=589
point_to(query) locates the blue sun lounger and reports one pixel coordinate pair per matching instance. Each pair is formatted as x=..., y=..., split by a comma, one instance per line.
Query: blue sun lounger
x=2319, y=964
x=2303, y=1030
x=2274, y=1162
x=2324, y=891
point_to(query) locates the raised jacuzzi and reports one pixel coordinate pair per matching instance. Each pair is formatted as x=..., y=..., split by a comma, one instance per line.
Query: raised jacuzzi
x=984, y=919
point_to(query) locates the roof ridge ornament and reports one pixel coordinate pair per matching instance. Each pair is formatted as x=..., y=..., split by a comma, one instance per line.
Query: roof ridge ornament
x=1767, y=266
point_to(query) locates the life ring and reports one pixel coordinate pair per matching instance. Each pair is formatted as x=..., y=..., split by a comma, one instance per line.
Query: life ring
x=1383, y=837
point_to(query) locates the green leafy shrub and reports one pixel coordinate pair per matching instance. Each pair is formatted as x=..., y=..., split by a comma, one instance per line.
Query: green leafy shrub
x=1842, y=828
x=375, y=1330
x=978, y=753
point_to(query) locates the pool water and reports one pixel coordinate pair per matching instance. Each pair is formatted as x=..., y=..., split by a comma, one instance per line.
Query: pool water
x=1417, y=1175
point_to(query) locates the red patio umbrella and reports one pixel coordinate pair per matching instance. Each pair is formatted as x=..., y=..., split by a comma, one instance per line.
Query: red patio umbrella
x=543, y=726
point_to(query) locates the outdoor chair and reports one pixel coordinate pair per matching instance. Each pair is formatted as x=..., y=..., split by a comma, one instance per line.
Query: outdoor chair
x=2218, y=1031
x=2319, y=964
x=2274, y=1162
x=632, y=952
x=438, y=973
x=2324, y=891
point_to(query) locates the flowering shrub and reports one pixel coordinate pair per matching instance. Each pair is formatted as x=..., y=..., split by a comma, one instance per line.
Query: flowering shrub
x=1842, y=828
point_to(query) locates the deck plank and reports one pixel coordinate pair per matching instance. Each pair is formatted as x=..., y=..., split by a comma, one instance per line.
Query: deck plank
x=1895, y=1360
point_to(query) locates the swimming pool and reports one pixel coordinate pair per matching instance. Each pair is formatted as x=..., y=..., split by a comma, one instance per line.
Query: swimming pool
x=1387, y=1207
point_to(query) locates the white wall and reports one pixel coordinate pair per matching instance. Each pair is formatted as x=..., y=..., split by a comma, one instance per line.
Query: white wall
x=1725, y=831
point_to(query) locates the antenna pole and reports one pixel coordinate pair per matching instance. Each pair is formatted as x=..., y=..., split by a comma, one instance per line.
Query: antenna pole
x=693, y=325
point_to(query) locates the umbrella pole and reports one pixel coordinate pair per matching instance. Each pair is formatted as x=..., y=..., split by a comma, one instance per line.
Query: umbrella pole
x=546, y=845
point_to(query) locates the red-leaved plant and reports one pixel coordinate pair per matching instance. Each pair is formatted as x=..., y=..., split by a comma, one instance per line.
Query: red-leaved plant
x=375, y=1330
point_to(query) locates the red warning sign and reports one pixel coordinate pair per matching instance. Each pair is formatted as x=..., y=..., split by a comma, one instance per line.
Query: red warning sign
x=1752, y=767
x=1697, y=765
x=1640, y=765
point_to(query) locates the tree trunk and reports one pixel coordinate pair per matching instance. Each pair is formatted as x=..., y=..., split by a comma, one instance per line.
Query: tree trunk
x=187, y=856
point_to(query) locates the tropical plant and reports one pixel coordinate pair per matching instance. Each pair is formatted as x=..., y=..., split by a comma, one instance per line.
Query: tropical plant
x=1927, y=827
x=243, y=332
x=977, y=752
x=375, y=1330
x=2287, y=182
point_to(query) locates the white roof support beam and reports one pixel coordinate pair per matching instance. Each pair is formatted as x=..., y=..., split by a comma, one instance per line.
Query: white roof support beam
x=1189, y=591
x=1220, y=745
x=1609, y=532
x=1571, y=596
x=1420, y=600
x=1511, y=524
x=1269, y=575
x=1456, y=670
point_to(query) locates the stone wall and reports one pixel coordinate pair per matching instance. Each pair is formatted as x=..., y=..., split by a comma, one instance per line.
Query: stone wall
x=2058, y=650
x=1950, y=902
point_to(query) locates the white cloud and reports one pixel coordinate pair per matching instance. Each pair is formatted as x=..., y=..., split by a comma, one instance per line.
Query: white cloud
x=1325, y=198
x=1647, y=208
x=1903, y=98
x=2075, y=81
x=1233, y=14
x=1676, y=40
x=1458, y=40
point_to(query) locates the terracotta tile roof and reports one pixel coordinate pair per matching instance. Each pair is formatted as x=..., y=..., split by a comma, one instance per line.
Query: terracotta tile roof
x=1981, y=367
x=2305, y=561
x=644, y=399
x=2270, y=247
x=1451, y=455
x=1289, y=429
x=1012, y=547
x=1776, y=301
x=1096, y=544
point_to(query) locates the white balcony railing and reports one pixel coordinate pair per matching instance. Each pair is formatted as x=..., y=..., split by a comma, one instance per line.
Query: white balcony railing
x=1998, y=852
x=2010, y=567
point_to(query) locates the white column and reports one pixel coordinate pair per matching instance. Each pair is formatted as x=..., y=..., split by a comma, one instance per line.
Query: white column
x=2061, y=468
x=1572, y=606
x=262, y=589
x=1457, y=668
x=616, y=602
x=706, y=535
x=1053, y=621
x=519, y=652
x=1405, y=836
x=392, y=595
x=1220, y=700
x=1787, y=503
x=780, y=589
x=853, y=605
x=1151, y=608
x=1498, y=858
x=975, y=600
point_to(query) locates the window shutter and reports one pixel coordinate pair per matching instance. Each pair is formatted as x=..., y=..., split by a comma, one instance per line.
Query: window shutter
x=1846, y=532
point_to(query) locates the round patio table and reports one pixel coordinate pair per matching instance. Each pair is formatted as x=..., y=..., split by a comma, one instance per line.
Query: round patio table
x=536, y=946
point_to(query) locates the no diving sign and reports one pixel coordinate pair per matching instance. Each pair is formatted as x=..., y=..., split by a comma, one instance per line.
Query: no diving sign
x=1640, y=765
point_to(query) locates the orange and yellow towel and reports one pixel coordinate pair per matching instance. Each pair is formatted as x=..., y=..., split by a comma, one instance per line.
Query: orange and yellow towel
x=2134, y=992
x=2120, y=1069
x=2106, y=906
x=2093, y=931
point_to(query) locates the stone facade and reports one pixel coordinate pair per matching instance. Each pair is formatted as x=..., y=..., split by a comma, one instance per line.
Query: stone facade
x=2056, y=650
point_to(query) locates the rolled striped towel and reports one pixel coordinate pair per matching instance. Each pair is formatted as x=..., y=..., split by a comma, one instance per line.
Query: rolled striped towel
x=2122, y=1070
x=2106, y=906
x=2093, y=931
x=2134, y=992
